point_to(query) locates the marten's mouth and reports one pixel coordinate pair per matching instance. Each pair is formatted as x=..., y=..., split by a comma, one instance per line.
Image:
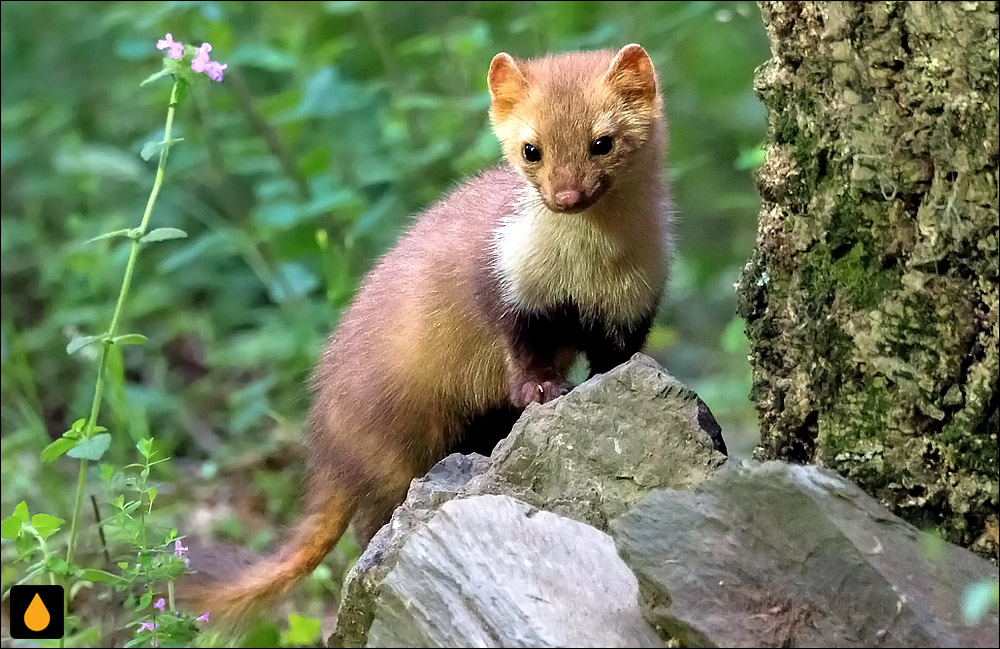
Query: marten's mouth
x=586, y=201
x=576, y=209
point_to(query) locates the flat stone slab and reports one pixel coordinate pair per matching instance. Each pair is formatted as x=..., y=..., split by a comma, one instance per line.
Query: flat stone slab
x=781, y=555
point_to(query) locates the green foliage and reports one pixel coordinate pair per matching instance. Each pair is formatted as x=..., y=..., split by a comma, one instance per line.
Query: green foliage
x=336, y=122
x=301, y=631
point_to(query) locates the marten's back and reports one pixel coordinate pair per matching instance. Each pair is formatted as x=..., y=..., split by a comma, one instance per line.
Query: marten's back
x=412, y=347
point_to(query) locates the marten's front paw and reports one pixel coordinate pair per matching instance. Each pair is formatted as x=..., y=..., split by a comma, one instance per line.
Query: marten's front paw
x=538, y=392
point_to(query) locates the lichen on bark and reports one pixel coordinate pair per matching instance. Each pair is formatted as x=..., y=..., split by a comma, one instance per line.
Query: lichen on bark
x=871, y=298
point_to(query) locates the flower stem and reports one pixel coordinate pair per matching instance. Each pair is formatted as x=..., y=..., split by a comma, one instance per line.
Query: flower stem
x=119, y=307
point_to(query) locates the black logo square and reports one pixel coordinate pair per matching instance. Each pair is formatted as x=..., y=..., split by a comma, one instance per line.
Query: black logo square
x=36, y=612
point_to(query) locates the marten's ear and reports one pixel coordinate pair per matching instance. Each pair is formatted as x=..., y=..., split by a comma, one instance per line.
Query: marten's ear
x=507, y=85
x=631, y=74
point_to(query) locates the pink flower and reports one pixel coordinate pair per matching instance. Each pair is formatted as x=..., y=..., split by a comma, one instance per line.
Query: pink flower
x=160, y=604
x=147, y=626
x=203, y=618
x=214, y=70
x=179, y=549
x=200, y=61
x=174, y=49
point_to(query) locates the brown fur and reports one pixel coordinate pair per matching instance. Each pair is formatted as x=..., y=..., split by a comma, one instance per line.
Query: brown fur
x=479, y=306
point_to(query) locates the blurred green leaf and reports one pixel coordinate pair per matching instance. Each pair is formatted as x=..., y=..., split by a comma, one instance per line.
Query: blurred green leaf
x=98, y=576
x=46, y=525
x=153, y=148
x=110, y=235
x=163, y=234
x=57, y=565
x=80, y=342
x=11, y=526
x=130, y=339
x=57, y=448
x=734, y=340
x=292, y=280
x=91, y=449
x=150, y=79
x=145, y=447
x=301, y=630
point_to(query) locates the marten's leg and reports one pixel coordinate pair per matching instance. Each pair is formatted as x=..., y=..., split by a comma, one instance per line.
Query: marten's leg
x=608, y=346
x=373, y=515
x=538, y=348
x=386, y=492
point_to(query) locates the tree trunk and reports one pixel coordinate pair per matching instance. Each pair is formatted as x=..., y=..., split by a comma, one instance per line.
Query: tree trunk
x=871, y=298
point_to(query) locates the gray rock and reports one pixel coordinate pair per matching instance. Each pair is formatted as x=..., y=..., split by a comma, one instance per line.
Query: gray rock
x=787, y=555
x=587, y=456
x=491, y=571
x=596, y=451
x=447, y=479
x=513, y=550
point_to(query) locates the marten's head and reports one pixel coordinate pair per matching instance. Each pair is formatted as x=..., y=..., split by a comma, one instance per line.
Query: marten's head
x=574, y=124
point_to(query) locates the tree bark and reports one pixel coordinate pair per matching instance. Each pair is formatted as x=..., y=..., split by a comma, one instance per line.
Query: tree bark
x=871, y=298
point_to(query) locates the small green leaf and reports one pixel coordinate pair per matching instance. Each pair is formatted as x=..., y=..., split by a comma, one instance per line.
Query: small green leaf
x=145, y=447
x=109, y=235
x=57, y=448
x=57, y=565
x=301, y=630
x=80, y=342
x=156, y=75
x=145, y=600
x=21, y=512
x=152, y=495
x=25, y=544
x=163, y=234
x=130, y=339
x=106, y=471
x=46, y=524
x=91, y=449
x=149, y=149
x=93, y=574
x=11, y=526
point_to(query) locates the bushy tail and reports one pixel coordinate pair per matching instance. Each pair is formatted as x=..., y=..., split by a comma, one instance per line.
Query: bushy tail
x=270, y=578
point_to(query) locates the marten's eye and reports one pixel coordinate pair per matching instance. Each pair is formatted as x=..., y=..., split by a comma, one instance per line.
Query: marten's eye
x=602, y=145
x=531, y=153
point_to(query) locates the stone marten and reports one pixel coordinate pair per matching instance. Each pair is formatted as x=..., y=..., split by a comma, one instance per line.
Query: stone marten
x=486, y=300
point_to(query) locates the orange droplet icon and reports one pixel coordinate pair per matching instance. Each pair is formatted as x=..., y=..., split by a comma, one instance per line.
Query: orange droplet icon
x=36, y=617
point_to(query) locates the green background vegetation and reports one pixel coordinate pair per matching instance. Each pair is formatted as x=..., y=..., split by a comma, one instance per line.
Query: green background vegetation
x=337, y=121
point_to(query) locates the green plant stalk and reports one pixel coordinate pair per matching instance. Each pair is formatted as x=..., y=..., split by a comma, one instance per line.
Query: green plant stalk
x=144, y=552
x=119, y=307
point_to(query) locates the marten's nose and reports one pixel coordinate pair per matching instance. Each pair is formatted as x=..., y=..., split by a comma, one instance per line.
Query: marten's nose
x=567, y=199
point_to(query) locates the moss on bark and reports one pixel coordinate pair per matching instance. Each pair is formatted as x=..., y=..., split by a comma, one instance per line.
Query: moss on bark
x=871, y=298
